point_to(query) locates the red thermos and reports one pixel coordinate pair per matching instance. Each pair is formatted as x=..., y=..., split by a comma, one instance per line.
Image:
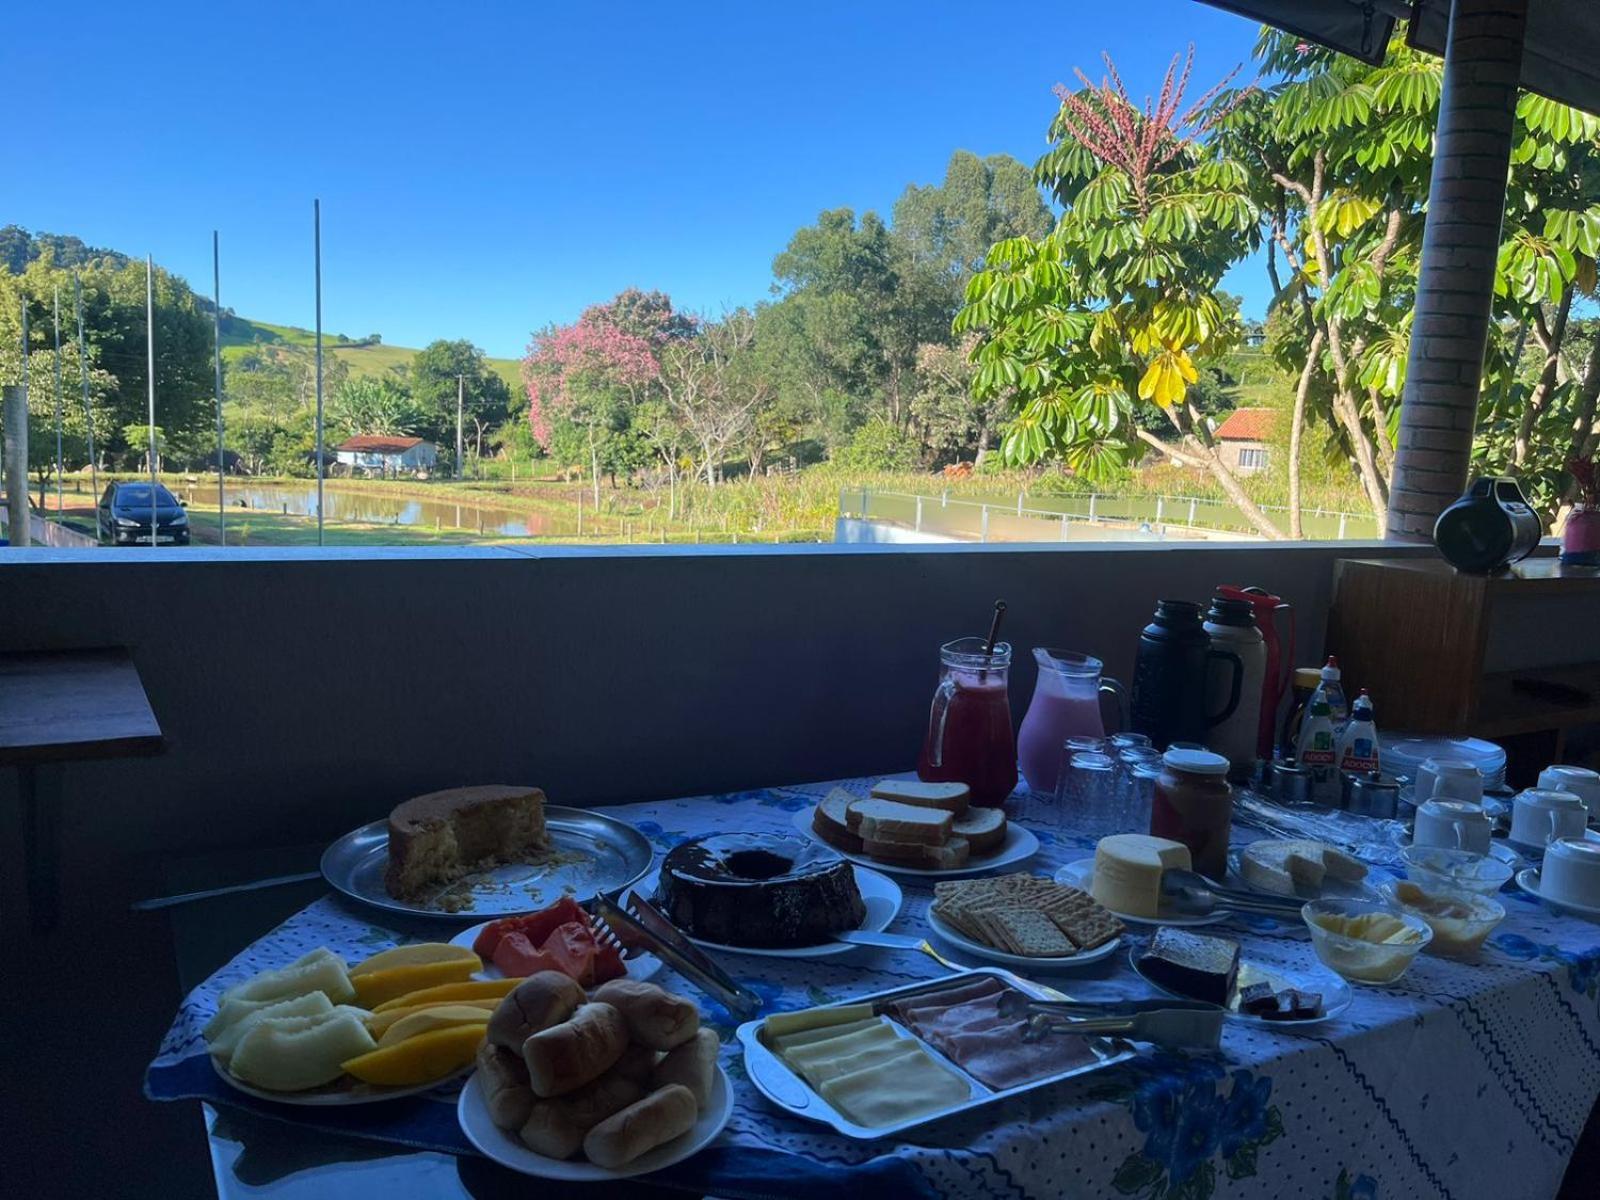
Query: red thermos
x=1280, y=664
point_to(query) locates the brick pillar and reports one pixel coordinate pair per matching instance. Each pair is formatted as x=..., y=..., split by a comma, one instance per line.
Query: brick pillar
x=1460, y=242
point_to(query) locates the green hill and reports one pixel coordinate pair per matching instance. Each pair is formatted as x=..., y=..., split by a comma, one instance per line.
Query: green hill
x=240, y=336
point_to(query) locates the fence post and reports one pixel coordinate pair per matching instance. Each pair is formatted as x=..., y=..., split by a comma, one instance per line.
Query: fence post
x=985, y=536
x=919, y=514
x=16, y=413
x=1161, y=508
x=944, y=498
x=863, y=504
x=1093, y=496
x=1019, y=504
x=1064, y=527
x=1342, y=519
x=1191, y=510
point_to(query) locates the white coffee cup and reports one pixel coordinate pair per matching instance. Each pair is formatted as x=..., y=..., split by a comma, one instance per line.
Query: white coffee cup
x=1570, y=873
x=1449, y=779
x=1452, y=824
x=1580, y=781
x=1545, y=815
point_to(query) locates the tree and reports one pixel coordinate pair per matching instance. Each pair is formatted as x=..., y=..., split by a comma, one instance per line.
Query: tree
x=435, y=372
x=953, y=422
x=375, y=406
x=711, y=389
x=1120, y=304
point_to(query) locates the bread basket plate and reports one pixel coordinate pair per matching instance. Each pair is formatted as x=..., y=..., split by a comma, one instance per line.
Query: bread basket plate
x=1080, y=874
x=881, y=895
x=1337, y=995
x=1019, y=846
x=590, y=852
x=472, y=1110
x=343, y=1092
x=640, y=969
x=950, y=934
x=1330, y=889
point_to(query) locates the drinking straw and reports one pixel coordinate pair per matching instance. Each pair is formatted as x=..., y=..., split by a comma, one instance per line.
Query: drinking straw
x=994, y=634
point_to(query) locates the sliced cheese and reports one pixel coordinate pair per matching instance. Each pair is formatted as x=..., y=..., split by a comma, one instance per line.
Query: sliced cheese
x=803, y=1058
x=815, y=1018
x=818, y=1073
x=1127, y=872
x=893, y=1091
x=806, y=1037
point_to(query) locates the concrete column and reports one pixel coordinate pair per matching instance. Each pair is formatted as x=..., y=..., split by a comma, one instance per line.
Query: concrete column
x=16, y=418
x=1460, y=242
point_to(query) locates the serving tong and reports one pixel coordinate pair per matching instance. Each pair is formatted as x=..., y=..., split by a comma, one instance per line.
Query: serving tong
x=1191, y=893
x=1176, y=1024
x=633, y=926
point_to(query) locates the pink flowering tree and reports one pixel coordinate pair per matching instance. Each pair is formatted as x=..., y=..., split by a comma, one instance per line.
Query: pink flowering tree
x=587, y=376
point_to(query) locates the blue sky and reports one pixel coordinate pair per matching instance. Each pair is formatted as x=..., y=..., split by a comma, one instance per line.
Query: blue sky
x=487, y=168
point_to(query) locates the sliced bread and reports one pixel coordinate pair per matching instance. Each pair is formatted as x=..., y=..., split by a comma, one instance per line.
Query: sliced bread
x=891, y=821
x=952, y=797
x=830, y=823
x=948, y=857
x=985, y=828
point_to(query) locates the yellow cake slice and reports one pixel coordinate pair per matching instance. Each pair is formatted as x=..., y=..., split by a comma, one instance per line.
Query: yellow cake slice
x=438, y=838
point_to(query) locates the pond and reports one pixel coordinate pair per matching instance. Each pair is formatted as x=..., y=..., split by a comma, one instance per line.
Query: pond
x=374, y=508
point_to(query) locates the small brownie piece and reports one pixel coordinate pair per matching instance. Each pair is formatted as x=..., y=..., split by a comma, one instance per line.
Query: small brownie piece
x=1295, y=1005
x=1193, y=965
x=1257, y=998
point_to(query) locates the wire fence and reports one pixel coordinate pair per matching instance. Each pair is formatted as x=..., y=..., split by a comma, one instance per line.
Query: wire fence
x=1083, y=518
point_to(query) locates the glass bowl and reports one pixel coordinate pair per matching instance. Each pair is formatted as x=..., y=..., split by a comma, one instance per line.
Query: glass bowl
x=1460, y=920
x=1439, y=870
x=1354, y=958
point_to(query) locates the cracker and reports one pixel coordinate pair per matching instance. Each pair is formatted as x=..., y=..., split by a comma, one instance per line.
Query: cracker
x=1030, y=933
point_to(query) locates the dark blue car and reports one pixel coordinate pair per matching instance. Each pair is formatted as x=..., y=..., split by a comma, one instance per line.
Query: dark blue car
x=126, y=510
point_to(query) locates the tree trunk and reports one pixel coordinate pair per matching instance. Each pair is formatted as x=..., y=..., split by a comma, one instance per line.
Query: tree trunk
x=594, y=469
x=1549, y=339
x=1297, y=427
x=984, y=427
x=1230, y=485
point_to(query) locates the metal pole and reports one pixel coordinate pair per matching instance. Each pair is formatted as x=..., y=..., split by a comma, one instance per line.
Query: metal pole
x=56, y=327
x=216, y=346
x=316, y=239
x=16, y=414
x=150, y=347
x=88, y=412
x=461, y=385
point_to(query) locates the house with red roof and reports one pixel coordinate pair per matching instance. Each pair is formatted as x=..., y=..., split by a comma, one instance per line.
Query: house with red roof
x=385, y=453
x=1243, y=438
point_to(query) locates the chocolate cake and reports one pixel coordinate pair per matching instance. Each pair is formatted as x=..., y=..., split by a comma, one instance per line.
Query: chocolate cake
x=771, y=891
x=1191, y=964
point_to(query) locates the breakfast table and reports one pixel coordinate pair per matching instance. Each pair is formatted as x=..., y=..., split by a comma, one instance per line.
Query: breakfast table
x=1461, y=1079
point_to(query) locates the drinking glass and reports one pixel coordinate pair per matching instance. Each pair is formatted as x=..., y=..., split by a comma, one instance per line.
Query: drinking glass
x=1125, y=741
x=1140, y=795
x=1072, y=745
x=1086, y=797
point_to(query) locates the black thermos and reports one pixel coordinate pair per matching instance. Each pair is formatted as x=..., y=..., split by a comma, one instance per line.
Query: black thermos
x=1169, y=678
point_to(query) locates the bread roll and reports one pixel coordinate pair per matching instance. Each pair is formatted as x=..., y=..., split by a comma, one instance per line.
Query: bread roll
x=556, y=1127
x=693, y=1064
x=564, y=1057
x=636, y=1063
x=653, y=1121
x=535, y=1004
x=655, y=1018
x=505, y=1086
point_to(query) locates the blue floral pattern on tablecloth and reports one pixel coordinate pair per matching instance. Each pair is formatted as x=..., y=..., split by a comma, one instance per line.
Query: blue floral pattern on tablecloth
x=1393, y=1099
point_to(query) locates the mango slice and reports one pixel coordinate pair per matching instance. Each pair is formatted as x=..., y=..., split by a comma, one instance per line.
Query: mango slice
x=378, y=987
x=379, y=1023
x=443, y=1016
x=471, y=989
x=416, y=955
x=426, y=1057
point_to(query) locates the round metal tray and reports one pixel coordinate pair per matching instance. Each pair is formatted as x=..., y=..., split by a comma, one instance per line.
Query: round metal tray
x=591, y=853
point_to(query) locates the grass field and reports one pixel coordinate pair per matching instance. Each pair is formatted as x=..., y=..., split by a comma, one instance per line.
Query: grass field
x=363, y=360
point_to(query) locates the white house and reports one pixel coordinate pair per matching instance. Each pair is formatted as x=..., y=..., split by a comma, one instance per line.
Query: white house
x=383, y=453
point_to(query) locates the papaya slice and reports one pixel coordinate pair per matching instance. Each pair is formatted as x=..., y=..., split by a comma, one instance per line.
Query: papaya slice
x=379, y=1023
x=416, y=955
x=422, y=1059
x=467, y=989
x=379, y=987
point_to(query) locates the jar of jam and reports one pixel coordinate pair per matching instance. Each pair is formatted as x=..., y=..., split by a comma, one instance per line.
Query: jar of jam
x=1194, y=805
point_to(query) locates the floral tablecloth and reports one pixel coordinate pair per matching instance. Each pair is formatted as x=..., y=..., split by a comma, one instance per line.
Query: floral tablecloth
x=1461, y=1080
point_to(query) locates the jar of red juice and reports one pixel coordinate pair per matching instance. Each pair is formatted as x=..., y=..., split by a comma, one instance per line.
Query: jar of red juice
x=970, y=739
x=1194, y=805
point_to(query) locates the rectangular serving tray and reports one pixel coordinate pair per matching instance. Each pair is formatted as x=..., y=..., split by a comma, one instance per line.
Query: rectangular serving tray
x=779, y=1084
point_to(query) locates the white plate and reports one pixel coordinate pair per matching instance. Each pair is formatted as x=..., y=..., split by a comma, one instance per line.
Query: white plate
x=341, y=1093
x=1019, y=845
x=1528, y=881
x=880, y=893
x=1080, y=874
x=1337, y=995
x=640, y=968
x=1331, y=889
x=966, y=945
x=472, y=1111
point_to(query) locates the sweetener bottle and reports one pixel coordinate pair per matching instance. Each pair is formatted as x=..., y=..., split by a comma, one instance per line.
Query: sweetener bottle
x=1318, y=753
x=1358, y=743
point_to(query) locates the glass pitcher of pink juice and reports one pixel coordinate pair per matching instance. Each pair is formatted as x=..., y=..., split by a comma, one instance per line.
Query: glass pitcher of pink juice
x=1066, y=703
x=969, y=737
